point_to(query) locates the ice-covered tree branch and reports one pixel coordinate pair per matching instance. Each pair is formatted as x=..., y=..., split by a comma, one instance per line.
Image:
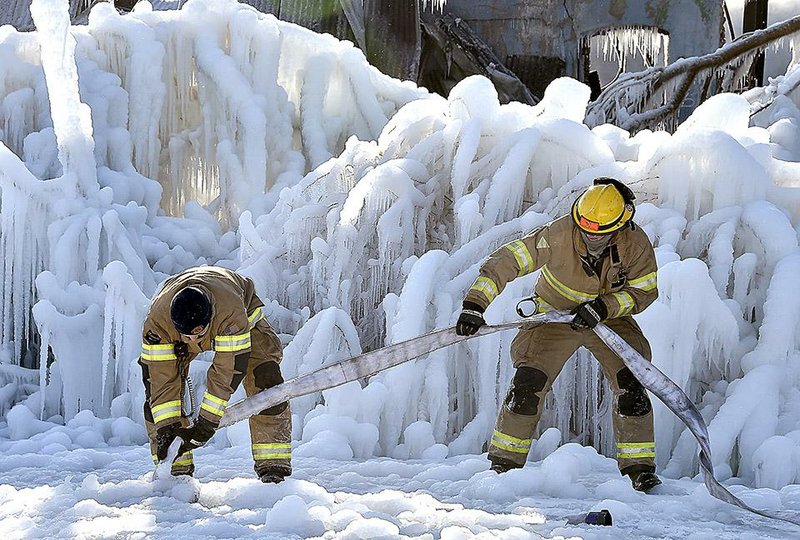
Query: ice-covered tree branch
x=650, y=97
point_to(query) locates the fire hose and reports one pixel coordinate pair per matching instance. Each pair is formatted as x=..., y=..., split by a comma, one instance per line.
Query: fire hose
x=370, y=363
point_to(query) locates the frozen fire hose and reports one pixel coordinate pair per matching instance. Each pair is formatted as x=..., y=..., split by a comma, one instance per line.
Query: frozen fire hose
x=372, y=362
x=679, y=403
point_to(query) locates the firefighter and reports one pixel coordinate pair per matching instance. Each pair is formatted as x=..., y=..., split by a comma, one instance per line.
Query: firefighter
x=598, y=265
x=212, y=309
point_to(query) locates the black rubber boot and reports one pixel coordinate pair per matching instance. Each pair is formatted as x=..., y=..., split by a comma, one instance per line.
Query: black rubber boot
x=500, y=465
x=273, y=475
x=644, y=481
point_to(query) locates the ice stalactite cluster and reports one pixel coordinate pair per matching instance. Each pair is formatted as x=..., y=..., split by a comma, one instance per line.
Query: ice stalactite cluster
x=362, y=207
x=628, y=42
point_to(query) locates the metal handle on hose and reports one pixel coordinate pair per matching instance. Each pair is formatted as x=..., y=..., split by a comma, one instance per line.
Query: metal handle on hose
x=523, y=303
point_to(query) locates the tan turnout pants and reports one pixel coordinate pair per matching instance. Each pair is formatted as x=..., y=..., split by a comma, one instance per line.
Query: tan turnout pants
x=270, y=430
x=539, y=354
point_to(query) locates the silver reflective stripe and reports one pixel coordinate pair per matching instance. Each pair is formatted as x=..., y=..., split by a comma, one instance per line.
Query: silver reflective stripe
x=170, y=409
x=522, y=256
x=213, y=404
x=625, y=301
x=236, y=343
x=645, y=283
x=487, y=287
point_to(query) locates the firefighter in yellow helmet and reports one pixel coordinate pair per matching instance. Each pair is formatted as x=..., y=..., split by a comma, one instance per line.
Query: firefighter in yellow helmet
x=212, y=309
x=598, y=265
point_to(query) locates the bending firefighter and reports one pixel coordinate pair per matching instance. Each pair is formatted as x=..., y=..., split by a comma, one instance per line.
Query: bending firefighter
x=598, y=265
x=212, y=309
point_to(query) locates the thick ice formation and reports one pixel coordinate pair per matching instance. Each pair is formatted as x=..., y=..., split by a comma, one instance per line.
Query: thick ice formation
x=362, y=207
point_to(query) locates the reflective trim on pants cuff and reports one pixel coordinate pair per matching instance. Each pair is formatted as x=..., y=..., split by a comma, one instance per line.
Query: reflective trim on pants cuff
x=636, y=450
x=510, y=443
x=264, y=451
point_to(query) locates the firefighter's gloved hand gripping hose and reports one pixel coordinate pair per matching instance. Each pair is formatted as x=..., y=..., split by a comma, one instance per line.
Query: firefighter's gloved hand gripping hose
x=373, y=362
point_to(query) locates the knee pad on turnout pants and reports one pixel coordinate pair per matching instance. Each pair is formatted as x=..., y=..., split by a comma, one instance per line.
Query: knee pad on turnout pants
x=522, y=397
x=265, y=376
x=633, y=399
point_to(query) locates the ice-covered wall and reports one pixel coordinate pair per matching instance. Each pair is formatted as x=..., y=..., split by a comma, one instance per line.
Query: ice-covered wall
x=362, y=207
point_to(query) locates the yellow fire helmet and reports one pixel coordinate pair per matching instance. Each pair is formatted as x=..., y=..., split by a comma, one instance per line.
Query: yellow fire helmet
x=604, y=208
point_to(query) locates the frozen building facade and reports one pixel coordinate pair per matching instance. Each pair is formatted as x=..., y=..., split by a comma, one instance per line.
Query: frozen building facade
x=520, y=46
x=538, y=41
x=546, y=39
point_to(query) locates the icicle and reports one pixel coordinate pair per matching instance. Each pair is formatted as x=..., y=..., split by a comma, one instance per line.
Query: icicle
x=434, y=5
x=631, y=41
x=108, y=336
x=43, y=368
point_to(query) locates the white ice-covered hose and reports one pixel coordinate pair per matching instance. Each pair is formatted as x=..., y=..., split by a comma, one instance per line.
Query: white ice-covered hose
x=372, y=362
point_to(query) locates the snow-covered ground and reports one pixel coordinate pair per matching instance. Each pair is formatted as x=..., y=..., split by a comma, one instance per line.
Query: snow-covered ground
x=78, y=482
x=362, y=206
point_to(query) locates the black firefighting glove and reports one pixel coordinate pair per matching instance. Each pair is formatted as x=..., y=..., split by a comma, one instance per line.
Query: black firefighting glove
x=196, y=435
x=164, y=437
x=470, y=319
x=588, y=314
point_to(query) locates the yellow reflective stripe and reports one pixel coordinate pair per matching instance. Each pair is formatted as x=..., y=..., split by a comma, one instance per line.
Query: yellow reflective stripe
x=487, y=287
x=235, y=343
x=622, y=455
x=576, y=296
x=170, y=409
x=255, y=316
x=157, y=353
x=542, y=306
x=269, y=446
x=167, y=414
x=214, y=399
x=210, y=408
x=272, y=456
x=511, y=444
x=522, y=255
x=157, y=347
x=161, y=406
x=272, y=451
x=514, y=440
x=649, y=444
x=647, y=282
x=185, y=459
x=636, y=450
x=213, y=404
x=509, y=448
x=625, y=301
